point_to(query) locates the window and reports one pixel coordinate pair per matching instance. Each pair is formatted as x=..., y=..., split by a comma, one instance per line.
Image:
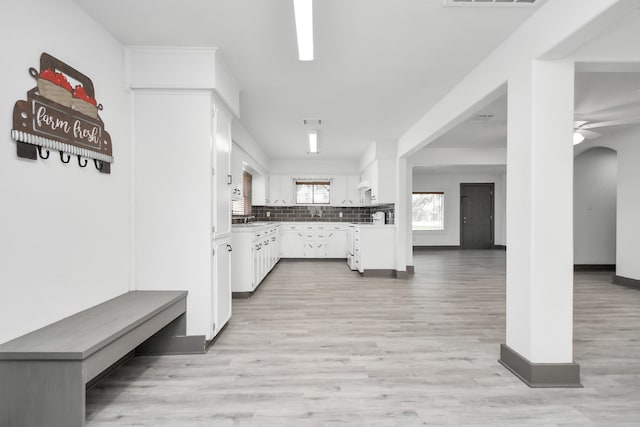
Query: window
x=242, y=206
x=428, y=211
x=313, y=192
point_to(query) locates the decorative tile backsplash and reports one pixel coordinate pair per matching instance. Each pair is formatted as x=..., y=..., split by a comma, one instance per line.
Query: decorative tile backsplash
x=318, y=213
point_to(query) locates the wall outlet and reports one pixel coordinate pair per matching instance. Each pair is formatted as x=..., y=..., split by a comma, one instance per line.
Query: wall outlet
x=268, y=214
x=340, y=214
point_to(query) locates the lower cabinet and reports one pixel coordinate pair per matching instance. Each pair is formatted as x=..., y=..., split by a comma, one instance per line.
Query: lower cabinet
x=292, y=243
x=336, y=243
x=374, y=248
x=320, y=240
x=221, y=284
x=256, y=252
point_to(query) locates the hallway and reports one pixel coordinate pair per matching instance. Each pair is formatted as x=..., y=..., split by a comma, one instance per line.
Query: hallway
x=319, y=345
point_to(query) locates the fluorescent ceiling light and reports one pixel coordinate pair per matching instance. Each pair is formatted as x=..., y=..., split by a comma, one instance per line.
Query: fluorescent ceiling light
x=313, y=141
x=303, y=10
x=577, y=138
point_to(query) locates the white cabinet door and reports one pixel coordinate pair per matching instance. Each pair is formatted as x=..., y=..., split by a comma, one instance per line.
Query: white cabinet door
x=373, y=179
x=339, y=191
x=385, y=181
x=257, y=263
x=336, y=244
x=292, y=244
x=280, y=190
x=353, y=194
x=266, y=256
x=221, y=284
x=287, y=190
x=236, y=174
x=274, y=198
x=321, y=249
x=310, y=249
x=221, y=153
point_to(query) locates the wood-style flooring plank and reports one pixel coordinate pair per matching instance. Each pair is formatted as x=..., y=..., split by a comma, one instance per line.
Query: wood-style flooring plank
x=319, y=345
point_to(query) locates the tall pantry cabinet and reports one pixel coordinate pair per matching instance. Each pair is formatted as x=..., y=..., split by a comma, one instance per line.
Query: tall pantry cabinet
x=184, y=104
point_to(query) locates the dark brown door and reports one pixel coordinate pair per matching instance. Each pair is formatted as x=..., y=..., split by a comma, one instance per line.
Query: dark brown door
x=476, y=216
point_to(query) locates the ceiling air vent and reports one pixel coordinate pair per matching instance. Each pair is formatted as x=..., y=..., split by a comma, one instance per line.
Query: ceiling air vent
x=312, y=122
x=489, y=2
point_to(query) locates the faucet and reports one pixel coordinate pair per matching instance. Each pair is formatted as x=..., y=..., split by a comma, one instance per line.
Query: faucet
x=247, y=218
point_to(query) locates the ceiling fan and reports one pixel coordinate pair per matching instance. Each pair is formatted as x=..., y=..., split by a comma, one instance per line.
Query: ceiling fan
x=583, y=129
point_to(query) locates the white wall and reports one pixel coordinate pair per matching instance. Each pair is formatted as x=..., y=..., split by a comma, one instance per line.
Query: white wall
x=308, y=167
x=449, y=183
x=594, y=207
x=627, y=144
x=253, y=152
x=64, y=231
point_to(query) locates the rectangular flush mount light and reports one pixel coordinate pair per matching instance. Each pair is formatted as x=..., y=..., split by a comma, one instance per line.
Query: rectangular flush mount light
x=313, y=141
x=303, y=10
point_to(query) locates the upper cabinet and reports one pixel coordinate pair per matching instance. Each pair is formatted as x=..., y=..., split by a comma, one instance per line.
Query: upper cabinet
x=221, y=171
x=344, y=191
x=381, y=177
x=237, y=187
x=353, y=193
x=281, y=190
x=182, y=209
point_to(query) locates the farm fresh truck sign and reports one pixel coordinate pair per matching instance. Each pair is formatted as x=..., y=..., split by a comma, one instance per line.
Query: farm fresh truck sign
x=61, y=117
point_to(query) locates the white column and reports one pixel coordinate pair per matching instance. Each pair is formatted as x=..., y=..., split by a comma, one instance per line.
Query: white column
x=540, y=212
x=409, y=215
x=628, y=210
x=401, y=208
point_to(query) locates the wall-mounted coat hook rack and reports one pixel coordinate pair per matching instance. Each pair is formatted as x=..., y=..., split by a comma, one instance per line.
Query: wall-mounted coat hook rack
x=62, y=153
x=40, y=153
x=82, y=165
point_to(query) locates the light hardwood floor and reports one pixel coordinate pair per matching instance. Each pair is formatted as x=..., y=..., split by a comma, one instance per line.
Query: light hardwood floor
x=320, y=345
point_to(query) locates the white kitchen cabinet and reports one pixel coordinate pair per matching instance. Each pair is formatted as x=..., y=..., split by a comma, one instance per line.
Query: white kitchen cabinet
x=292, y=243
x=259, y=190
x=314, y=240
x=236, y=174
x=258, y=262
x=336, y=243
x=353, y=194
x=281, y=190
x=344, y=191
x=221, y=161
x=221, y=284
x=381, y=176
x=182, y=203
x=339, y=191
x=256, y=252
x=374, y=247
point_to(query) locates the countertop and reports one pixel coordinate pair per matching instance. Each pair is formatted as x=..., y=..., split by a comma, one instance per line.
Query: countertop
x=258, y=226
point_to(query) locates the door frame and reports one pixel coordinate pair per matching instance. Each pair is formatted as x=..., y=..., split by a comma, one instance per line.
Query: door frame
x=493, y=210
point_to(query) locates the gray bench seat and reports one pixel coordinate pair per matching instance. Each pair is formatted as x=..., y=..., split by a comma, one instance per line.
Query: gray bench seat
x=43, y=374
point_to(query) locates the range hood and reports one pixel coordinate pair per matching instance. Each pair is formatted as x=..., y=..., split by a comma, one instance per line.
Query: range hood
x=364, y=185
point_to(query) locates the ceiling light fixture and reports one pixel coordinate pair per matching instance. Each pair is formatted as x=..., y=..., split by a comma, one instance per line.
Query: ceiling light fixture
x=313, y=141
x=303, y=10
x=577, y=138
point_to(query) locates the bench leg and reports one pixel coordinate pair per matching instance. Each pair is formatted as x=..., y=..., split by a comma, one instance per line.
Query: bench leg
x=41, y=393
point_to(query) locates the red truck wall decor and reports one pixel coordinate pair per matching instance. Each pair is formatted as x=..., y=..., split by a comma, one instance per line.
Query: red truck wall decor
x=60, y=117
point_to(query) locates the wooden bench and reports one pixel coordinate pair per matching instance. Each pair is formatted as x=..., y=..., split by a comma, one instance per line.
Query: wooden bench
x=43, y=375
